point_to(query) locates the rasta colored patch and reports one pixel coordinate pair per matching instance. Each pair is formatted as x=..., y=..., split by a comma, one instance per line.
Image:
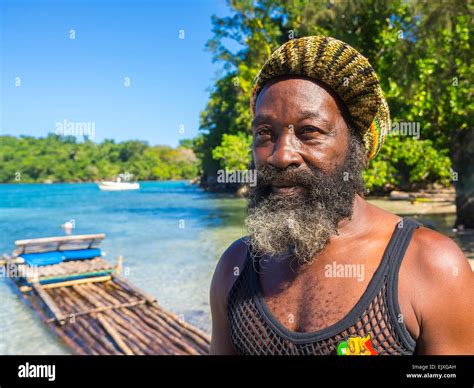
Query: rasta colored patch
x=356, y=346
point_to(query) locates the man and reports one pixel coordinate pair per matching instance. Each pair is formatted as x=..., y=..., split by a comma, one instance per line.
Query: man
x=322, y=268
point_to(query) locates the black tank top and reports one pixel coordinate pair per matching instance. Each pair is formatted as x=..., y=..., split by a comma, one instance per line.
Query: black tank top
x=373, y=326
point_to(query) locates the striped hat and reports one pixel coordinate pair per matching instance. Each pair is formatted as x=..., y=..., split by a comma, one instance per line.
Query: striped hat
x=341, y=67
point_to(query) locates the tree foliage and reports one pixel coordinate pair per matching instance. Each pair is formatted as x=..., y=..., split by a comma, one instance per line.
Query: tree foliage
x=63, y=159
x=233, y=151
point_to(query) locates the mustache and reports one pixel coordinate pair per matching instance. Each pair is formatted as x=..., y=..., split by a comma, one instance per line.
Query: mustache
x=291, y=176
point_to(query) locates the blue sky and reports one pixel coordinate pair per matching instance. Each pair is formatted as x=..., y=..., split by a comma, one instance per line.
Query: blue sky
x=83, y=79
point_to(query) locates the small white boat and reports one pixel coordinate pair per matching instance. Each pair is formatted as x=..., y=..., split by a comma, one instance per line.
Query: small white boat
x=118, y=185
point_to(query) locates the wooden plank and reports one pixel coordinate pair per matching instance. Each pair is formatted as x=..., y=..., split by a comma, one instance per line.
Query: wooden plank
x=25, y=288
x=114, y=334
x=66, y=275
x=150, y=299
x=7, y=259
x=33, y=302
x=52, y=306
x=60, y=239
x=103, y=308
x=49, y=244
x=77, y=281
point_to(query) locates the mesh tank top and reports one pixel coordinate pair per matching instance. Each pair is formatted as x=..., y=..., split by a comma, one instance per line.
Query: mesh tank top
x=373, y=326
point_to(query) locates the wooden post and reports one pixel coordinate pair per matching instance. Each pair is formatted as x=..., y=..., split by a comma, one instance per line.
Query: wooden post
x=52, y=306
x=119, y=265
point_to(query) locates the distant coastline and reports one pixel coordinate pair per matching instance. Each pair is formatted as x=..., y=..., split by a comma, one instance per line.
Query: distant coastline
x=56, y=158
x=190, y=181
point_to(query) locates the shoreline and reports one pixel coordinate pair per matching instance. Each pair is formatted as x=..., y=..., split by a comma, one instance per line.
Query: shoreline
x=96, y=182
x=406, y=207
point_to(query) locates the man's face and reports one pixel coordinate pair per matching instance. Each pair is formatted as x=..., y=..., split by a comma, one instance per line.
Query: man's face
x=298, y=123
x=309, y=169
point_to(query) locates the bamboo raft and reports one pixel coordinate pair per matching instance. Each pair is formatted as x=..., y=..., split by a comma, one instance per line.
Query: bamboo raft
x=92, y=308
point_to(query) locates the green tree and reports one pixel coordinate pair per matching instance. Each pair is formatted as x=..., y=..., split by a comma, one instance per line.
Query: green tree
x=62, y=159
x=233, y=152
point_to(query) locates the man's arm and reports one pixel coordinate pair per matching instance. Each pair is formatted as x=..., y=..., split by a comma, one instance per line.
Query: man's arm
x=224, y=277
x=444, y=299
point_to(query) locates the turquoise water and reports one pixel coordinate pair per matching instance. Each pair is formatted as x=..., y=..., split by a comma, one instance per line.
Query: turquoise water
x=170, y=234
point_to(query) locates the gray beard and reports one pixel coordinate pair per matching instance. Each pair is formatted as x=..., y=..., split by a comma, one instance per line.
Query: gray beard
x=282, y=233
x=301, y=226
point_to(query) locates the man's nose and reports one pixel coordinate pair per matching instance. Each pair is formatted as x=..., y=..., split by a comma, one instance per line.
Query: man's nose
x=284, y=153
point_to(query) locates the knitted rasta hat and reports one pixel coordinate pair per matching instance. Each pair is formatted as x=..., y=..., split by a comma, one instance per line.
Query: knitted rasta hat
x=341, y=67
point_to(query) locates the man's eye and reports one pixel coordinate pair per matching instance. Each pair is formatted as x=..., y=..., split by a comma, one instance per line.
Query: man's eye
x=263, y=132
x=309, y=129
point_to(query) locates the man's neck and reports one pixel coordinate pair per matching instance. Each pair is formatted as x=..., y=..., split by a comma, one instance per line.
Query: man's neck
x=358, y=221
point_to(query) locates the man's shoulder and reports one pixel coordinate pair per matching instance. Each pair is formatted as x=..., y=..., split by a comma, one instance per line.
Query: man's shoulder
x=235, y=255
x=230, y=265
x=441, y=283
x=437, y=269
x=430, y=253
x=432, y=261
x=437, y=255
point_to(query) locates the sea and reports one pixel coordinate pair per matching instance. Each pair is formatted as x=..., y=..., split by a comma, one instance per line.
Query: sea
x=170, y=234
